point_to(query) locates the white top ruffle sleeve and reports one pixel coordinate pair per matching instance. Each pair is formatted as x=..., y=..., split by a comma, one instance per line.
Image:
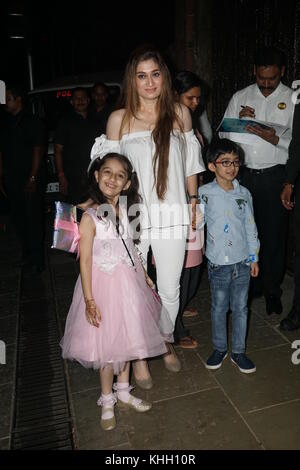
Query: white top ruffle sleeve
x=185, y=160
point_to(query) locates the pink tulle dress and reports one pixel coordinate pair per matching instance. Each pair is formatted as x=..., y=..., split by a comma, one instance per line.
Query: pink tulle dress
x=133, y=324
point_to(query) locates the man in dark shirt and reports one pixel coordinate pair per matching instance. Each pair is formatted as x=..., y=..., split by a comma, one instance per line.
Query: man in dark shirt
x=290, y=187
x=22, y=175
x=74, y=137
x=100, y=107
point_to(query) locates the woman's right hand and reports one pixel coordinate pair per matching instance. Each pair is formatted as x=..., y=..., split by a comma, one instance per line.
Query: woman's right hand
x=92, y=313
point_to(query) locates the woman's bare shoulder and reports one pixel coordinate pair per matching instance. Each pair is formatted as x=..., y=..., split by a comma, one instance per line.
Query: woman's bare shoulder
x=182, y=110
x=116, y=117
x=114, y=124
x=184, y=115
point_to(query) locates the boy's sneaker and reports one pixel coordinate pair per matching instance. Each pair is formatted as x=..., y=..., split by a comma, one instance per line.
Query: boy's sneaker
x=243, y=363
x=215, y=360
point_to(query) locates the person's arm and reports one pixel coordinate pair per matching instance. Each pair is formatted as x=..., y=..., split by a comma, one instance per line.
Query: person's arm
x=202, y=207
x=191, y=179
x=252, y=235
x=58, y=156
x=1, y=177
x=233, y=110
x=37, y=156
x=61, y=140
x=293, y=164
x=205, y=127
x=114, y=124
x=269, y=135
x=87, y=231
x=292, y=169
x=236, y=109
x=37, y=137
x=192, y=188
x=254, y=269
x=185, y=116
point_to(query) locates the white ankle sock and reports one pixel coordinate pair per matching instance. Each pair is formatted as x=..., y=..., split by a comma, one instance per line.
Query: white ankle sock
x=107, y=402
x=123, y=389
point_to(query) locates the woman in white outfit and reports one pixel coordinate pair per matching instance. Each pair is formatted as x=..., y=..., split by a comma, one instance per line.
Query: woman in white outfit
x=156, y=135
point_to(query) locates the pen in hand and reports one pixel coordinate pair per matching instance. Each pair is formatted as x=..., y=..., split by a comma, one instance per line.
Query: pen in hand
x=247, y=111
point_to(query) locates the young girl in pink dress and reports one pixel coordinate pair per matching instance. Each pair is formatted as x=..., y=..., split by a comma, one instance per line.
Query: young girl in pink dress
x=114, y=315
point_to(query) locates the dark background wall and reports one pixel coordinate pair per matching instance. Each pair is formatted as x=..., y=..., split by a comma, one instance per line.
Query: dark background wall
x=238, y=28
x=215, y=38
x=68, y=37
x=218, y=39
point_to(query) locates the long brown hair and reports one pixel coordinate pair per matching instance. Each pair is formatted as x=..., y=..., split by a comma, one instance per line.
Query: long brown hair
x=129, y=100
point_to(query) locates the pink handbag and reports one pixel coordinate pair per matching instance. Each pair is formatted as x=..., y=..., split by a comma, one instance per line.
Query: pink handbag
x=66, y=233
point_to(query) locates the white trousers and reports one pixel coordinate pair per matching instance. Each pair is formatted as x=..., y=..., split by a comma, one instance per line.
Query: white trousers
x=168, y=247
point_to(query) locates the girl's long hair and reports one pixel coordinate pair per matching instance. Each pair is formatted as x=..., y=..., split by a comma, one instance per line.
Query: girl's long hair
x=132, y=193
x=129, y=100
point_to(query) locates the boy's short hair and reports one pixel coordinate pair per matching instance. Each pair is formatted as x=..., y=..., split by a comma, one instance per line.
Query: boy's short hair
x=220, y=147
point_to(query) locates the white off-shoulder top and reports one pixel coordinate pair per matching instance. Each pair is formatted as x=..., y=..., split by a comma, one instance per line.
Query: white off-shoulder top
x=185, y=160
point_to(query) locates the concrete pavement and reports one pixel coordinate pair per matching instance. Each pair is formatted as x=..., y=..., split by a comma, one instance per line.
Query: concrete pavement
x=192, y=409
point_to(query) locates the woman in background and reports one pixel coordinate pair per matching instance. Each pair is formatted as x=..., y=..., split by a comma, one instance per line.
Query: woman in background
x=187, y=87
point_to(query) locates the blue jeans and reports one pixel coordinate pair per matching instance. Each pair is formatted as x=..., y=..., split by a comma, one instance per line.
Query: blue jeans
x=229, y=285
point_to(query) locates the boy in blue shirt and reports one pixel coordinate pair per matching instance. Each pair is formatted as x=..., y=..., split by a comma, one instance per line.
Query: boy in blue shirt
x=232, y=250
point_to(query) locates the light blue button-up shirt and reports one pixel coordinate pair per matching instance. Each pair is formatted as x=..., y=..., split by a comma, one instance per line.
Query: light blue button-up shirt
x=231, y=229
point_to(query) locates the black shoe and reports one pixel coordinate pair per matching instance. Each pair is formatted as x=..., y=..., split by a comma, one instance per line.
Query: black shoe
x=273, y=305
x=292, y=321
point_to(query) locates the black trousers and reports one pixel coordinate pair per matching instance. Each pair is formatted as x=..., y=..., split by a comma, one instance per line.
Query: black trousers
x=27, y=216
x=189, y=283
x=296, y=220
x=272, y=221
